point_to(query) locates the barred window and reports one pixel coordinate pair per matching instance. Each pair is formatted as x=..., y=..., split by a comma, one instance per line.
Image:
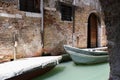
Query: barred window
x=30, y=5
x=66, y=12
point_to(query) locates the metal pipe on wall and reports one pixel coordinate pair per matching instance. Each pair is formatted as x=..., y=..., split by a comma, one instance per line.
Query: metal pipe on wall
x=42, y=22
x=73, y=15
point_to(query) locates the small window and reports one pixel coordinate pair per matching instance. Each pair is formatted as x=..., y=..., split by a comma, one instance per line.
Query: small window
x=66, y=12
x=30, y=5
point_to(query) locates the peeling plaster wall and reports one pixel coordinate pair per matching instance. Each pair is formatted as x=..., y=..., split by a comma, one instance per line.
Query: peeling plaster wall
x=25, y=27
x=58, y=32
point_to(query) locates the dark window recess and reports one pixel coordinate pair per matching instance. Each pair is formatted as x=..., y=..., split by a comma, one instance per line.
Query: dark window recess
x=66, y=12
x=30, y=5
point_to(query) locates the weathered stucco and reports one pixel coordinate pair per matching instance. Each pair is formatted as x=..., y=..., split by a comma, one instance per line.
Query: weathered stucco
x=16, y=26
x=25, y=27
x=58, y=32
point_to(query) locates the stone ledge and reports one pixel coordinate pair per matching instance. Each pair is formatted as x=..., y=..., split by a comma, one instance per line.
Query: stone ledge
x=10, y=15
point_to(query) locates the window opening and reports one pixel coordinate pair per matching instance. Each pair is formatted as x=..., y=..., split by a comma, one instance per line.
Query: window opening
x=30, y=5
x=66, y=12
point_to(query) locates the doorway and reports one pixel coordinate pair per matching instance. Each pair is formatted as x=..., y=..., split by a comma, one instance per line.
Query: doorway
x=92, y=34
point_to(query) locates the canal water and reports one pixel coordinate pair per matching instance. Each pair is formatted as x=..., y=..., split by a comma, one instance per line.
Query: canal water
x=71, y=71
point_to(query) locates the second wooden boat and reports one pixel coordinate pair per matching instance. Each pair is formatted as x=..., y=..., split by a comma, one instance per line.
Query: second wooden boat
x=86, y=56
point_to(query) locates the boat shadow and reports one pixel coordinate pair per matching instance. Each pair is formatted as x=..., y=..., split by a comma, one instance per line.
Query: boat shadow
x=94, y=64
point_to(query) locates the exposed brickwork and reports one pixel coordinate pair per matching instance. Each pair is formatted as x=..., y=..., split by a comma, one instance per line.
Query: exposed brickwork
x=26, y=29
x=56, y=32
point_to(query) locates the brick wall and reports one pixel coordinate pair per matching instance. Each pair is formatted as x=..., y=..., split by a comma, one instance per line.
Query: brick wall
x=25, y=27
x=58, y=32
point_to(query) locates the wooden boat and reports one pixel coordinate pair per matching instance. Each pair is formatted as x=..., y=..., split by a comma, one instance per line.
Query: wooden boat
x=86, y=56
x=27, y=68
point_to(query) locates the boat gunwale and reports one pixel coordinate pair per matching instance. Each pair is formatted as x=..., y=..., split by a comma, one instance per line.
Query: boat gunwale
x=73, y=53
x=85, y=51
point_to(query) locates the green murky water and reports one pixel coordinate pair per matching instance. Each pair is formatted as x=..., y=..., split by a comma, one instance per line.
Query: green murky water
x=70, y=71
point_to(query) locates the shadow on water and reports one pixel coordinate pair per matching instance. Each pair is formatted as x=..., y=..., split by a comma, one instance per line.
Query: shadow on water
x=87, y=65
x=71, y=71
x=51, y=73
